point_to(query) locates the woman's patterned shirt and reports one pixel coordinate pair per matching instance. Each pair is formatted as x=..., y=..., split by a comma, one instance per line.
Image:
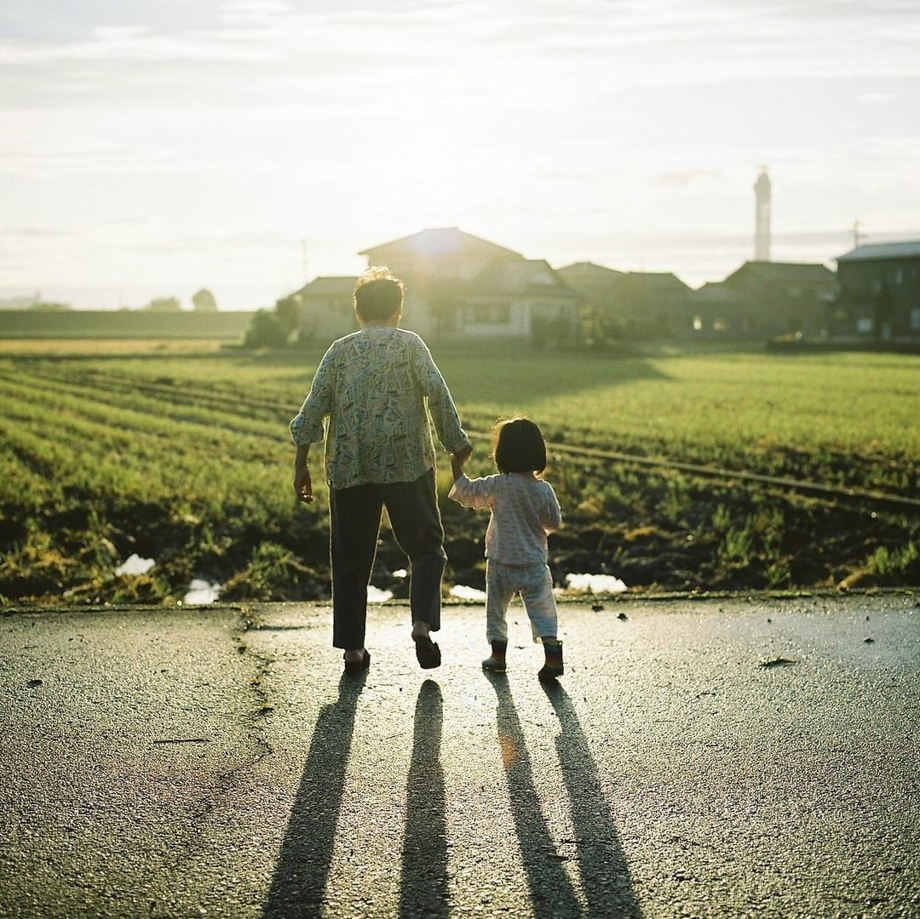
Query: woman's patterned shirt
x=370, y=389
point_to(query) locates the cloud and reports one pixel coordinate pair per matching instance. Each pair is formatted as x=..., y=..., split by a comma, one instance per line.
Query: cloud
x=228, y=244
x=682, y=179
x=131, y=43
x=533, y=119
x=30, y=233
x=39, y=161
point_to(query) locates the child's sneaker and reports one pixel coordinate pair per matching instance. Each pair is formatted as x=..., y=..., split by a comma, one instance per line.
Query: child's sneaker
x=495, y=662
x=553, y=667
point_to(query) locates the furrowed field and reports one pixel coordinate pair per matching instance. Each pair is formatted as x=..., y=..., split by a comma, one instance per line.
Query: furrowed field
x=185, y=459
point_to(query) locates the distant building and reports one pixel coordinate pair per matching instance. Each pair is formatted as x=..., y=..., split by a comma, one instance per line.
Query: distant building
x=762, y=208
x=878, y=294
x=27, y=302
x=654, y=304
x=643, y=304
x=327, y=308
x=718, y=310
x=765, y=299
x=458, y=287
x=204, y=302
x=597, y=282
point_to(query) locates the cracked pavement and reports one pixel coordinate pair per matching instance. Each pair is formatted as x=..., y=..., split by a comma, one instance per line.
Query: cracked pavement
x=700, y=757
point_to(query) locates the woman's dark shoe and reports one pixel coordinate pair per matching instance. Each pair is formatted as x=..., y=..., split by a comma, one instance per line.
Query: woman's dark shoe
x=355, y=667
x=553, y=667
x=427, y=652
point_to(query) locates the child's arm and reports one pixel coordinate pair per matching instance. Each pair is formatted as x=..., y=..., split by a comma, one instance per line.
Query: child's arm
x=552, y=513
x=473, y=492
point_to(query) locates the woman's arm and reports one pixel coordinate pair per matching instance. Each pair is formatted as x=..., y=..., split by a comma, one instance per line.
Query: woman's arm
x=307, y=425
x=443, y=411
x=458, y=460
x=303, y=484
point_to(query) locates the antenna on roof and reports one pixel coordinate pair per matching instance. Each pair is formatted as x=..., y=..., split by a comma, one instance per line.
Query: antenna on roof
x=857, y=235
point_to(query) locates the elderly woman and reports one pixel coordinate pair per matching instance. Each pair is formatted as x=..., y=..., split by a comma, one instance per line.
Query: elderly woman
x=371, y=389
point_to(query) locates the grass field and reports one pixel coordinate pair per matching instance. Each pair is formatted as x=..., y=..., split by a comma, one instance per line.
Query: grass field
x=128, y=324
x=185, y=459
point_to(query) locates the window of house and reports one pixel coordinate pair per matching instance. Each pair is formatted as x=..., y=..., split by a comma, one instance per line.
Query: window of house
x=864, y=325
x=915, y=318
x=476, y=313
x=697, y=323
x=899, y=276
x=488, y=314
x=719, y=325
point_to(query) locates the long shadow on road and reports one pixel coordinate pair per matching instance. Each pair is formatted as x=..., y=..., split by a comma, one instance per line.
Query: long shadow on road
x=424, y=885
x=303, y=864
x=602, y=865
x=551, y=892
x=604, y=871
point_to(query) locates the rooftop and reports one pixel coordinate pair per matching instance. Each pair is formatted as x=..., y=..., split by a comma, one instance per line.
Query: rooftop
x=654, y=280
x=715, y=292
x=325, y=285
x=439, y=242
x=589, y=270
x=531, y=277
x=800, y=272
x=906, y=249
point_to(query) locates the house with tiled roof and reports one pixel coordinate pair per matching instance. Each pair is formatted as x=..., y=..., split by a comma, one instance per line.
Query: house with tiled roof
x=458, y=287
x=642, y=304
x=716, y=309
x=783, y=298
x=763, y=300
x=878, y=292
x=327, y=308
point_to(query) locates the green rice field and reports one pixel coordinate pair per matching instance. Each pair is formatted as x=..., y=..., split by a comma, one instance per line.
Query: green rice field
x=184, y=458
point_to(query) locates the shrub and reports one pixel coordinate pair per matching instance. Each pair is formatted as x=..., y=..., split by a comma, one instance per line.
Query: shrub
x=265, y=331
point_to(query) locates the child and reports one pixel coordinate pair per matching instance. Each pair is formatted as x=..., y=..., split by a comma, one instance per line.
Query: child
x=370, y=400
x=524, y=509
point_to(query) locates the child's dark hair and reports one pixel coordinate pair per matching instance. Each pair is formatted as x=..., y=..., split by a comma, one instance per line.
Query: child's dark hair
x=518, y=446
x=378, y=295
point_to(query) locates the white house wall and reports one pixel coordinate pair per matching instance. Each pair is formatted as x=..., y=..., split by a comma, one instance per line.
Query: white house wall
x=416, y=317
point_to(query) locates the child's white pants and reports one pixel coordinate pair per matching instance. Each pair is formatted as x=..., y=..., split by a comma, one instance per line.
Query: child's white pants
x=535, y=585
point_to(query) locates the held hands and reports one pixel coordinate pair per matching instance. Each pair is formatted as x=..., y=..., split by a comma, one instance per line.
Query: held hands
x=457, y=461
x=303, y=486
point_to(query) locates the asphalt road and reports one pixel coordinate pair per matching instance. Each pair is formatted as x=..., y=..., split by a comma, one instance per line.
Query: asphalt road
x=215, y=763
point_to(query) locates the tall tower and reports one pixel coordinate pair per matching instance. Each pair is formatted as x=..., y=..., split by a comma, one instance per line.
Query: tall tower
x=762, y=220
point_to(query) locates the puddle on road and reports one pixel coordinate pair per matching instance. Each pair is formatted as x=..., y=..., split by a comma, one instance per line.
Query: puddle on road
x=462, y=592
x=595, y=583
x=134, y=564
x=201, y=593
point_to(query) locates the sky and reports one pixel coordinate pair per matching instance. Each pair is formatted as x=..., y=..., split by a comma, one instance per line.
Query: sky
x=154, y=147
